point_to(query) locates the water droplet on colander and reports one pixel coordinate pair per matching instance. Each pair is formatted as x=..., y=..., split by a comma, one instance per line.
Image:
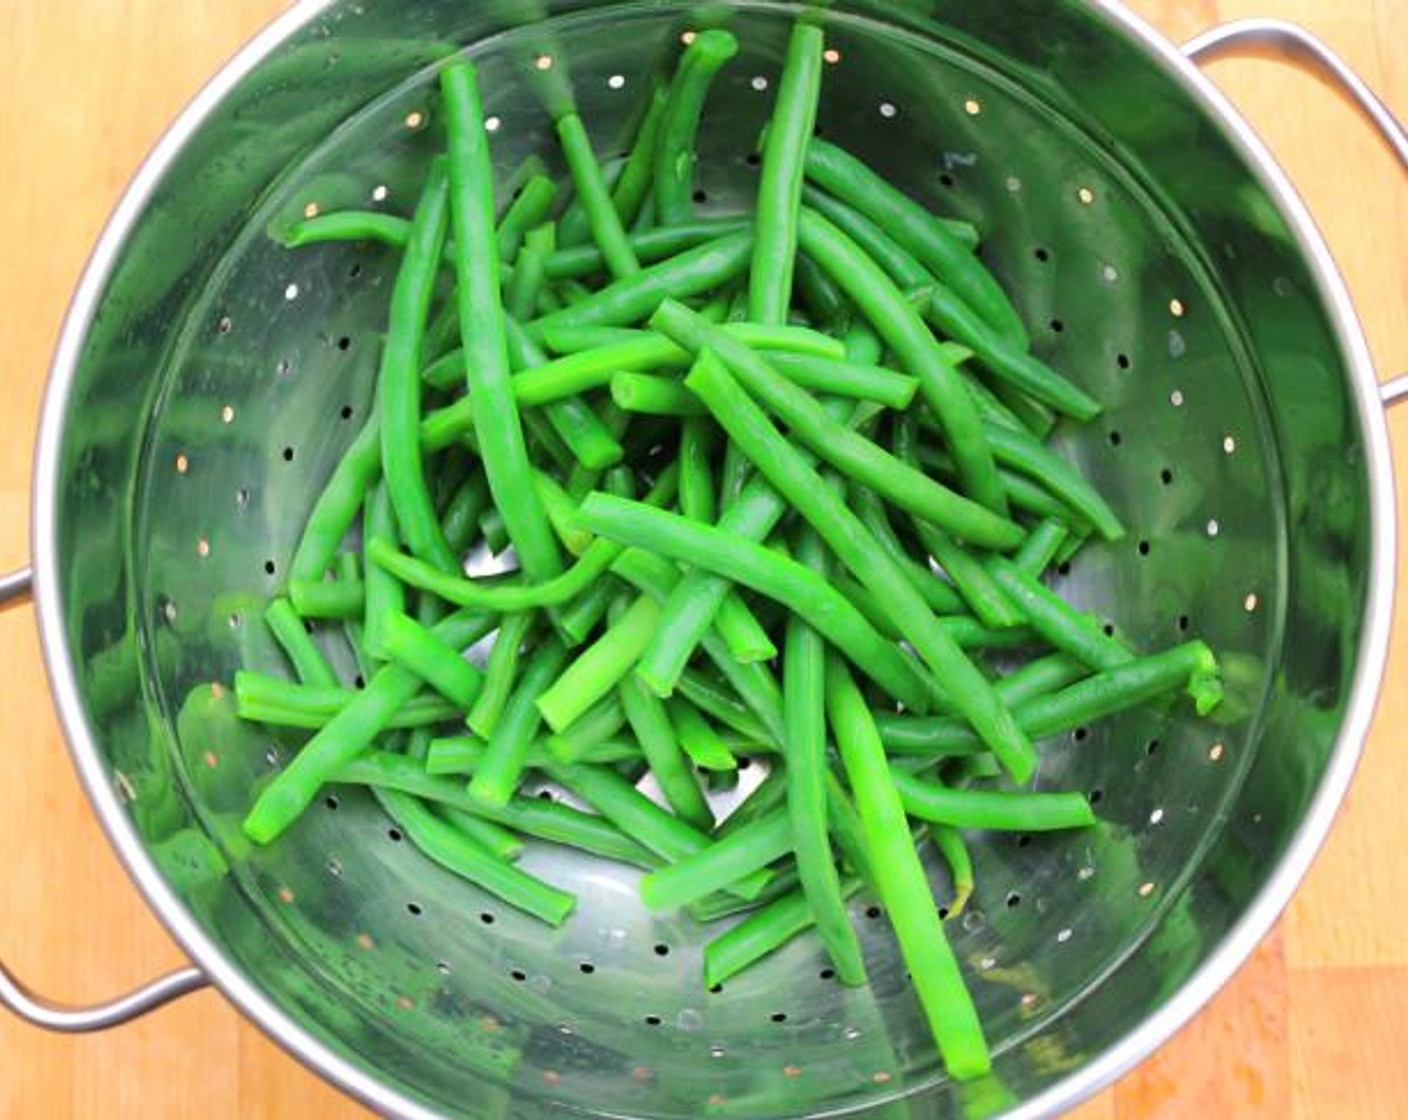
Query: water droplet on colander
x=973, y=920
x=540, y=984
x=689, y=1020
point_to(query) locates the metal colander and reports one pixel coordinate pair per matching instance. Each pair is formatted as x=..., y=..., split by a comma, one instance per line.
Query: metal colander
x=208, y=380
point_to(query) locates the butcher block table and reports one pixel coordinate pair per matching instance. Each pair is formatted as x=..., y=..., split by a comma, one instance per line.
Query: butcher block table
x=1314, y=1026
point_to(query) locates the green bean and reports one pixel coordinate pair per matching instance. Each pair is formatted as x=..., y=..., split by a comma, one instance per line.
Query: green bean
x=645, y=712
x=804, y=693
x=399, y=384
x=1039, y=550
x=780, y=185
x=464, y=754
x=598, y=724
x=786, y=581
x=774, y=457
x=1005, y=360
x=698, y=500
x=628, y=301
x=1023, y=493
x=1038, y=678
x=645, y=351
x=529, y=208
x=1023, y=453
x=453, y=851
x=605, y=222
x=276, y=701
x=496, y=422
x=562, y=514
x=494, y=839
x=762, y=932
x=384, y=592
x=708, y=697
x=500, y=672
x=339, y=598
x=943, y=254
x=905, y=333
x=674, y=155
x=847, y=379
x=521, y=293
x=348, y=733
x=988, y=601
x=633, y=187
x=654, y=396
x=824, y=302
x=954, y=850
x=441, y=666
x=870, y=238
x=844, y=824
x=580, y=617
x=599, y=669
x=873, y=515
x=745, y=852
x=1191, y=665
x=641, y=819
x=303, y=653
x=338, y=505
x=996, y=810
x=491, y=528
x=863, y=345
x=704, y=746
x=348, y=225
x=1057, y=621
x=649, y=246
x=506, y=754
x=846, y=217
x=532, y=816
x=834, y=442
x=900, y=880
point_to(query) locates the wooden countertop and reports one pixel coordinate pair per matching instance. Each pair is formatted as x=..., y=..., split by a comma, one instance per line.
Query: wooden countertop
x=1313, y=1027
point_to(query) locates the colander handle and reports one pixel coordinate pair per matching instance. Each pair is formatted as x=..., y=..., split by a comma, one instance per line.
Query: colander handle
x=1287, y=42
x=15, y=588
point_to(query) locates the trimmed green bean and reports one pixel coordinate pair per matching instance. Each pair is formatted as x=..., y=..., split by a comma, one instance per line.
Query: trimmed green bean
x=643, y=820
x=850, y=452
x=707, y=696
x=873, y=515
x=384, y=592
x=644, y=351
x=780, y=185
x=1038, y=551
x=952, y=262
x=745, y=852
x=464, y=754
x=532, y=816
x=441, y=666
x=595, y=197
x=901, y=883
x=598, y=724
x=1191, y=666
x=338, y=505
x=272, y=700
x=698, y=499
x=582, y=614
x=842, y=378
x=1023, y=453
x=500, y=673
x=674, y=156
x=654, y=396
x=995, y=810
x=760, y=933
x=871, y=239
x=755, y=566
x=629, y=301
x=497, y=425
x=905, y=333
x=506, y=754
x=494, y=839
x=307, y=659
x=1023, y=493
x=600, y=668
x=824, y=303
x=633, y=188
x=954, y=850
x=455, y=852
x=645, y=712
x=775, y=458
x=704, y=746
x=1057, y=621
x=338, y=598
x=348, y=733
x=804, y=694
x=649, y=246
x=531, y=207
x=988, y=601
x=521, y=291
x=562, y=514
x=399, y=383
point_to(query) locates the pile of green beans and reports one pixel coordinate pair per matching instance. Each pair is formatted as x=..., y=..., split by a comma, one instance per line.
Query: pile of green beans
x=766, y=486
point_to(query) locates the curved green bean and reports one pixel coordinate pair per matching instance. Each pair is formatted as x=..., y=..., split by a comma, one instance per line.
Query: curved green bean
x=745, y=852
x=648, y=245
x=995, y=810
x=704, y=746
x=675, y=157
x=506, y=753
x=307, y=659
x=1023, y=453
x=780, y=185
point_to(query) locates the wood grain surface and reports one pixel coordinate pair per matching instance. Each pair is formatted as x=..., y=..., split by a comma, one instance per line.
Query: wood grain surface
x=1313, y=1027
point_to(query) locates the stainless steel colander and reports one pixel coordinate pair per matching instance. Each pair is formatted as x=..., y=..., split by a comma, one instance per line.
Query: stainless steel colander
x=207, y=380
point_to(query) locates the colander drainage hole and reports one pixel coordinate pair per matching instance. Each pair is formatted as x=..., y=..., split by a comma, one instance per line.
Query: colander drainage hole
x=331, y=802
x=1043, y=255
x=1183, y=623
x=1122, y=360
x=1024, y=840
x=414, y=909
x=344, y=343
x=1144, y=548
x=1116, y=439
x=268, y=567
x=346, y=412
x=872, y=912
x=518, y=975
x=1152, y=748
x=1166, y=477
x=1013, y=900
x=701, y=196
x=1057, y=325
x=288, y=454
x=753, y=159
x=586, y=968
x=359, y=681
x=946, y=179
x=1095, y=796
x=779, y=1017
x=394, y=835
x=653, y=1020
x=662, y=950
x=826, y=974
x=1080, y=734
x=487, y=918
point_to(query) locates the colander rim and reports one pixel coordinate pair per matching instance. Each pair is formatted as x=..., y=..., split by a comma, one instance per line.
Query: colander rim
x=1138, y=1044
